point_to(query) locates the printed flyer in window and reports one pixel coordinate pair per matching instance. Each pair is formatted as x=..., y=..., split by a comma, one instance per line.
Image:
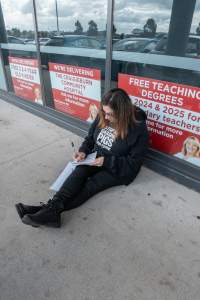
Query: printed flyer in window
x=173, y=112
x=25, y=78
x=76, y=90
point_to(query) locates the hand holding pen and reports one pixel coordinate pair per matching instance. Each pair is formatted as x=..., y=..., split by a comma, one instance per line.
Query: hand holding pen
x=78, y=156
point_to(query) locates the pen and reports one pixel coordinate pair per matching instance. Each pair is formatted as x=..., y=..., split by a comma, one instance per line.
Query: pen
x=73, y=146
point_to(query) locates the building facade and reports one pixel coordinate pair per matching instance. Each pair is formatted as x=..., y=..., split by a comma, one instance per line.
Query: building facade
x=58, y=57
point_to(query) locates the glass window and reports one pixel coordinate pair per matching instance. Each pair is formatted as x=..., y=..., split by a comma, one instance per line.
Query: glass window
x=79, y=42
x=154, y=20
x=73, y=59
x=18, y=20
x=19, y=51
x=160, y=69
x=97, y=44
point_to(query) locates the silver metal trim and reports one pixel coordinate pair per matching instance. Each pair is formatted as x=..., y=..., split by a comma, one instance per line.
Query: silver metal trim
x=25, y=47
x=109, y=30
x=58, y=30
x=3, y=78
x=38, y=52
x=187, y=63
x=82, y=52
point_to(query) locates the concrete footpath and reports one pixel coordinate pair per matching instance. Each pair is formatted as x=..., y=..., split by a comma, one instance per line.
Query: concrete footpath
x=140, y=242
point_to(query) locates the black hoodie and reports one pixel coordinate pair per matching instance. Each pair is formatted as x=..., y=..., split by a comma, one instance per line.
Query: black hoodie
x=122, y=157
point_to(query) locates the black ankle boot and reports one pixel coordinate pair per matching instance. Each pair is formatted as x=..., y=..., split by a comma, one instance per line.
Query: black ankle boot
x=48, y=215
x=23, y=209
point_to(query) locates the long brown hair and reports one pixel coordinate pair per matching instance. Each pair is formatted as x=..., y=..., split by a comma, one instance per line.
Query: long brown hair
x=124, y=111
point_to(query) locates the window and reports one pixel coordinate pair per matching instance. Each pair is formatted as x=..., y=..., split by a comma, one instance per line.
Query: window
x=159, y=69
x=19, y=50
x=81, y=43
x=74, y=79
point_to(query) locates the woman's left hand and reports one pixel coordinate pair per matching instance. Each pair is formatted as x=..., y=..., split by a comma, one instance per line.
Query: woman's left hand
x=98, y=162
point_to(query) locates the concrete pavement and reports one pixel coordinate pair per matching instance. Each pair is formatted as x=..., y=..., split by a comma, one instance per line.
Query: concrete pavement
x=140, y=242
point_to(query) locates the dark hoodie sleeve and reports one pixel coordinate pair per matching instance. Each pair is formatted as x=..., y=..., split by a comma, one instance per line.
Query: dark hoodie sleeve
x=88, y=143
x=129, y=165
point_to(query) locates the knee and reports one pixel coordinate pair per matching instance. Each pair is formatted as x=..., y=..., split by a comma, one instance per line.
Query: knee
x=80, y=171
x=93, y=185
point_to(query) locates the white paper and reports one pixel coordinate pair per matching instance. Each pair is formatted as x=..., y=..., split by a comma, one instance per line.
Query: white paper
x=87, y=161
x=62, y=177
x=69, y=169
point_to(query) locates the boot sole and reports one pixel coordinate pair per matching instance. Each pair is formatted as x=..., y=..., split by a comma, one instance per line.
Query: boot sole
x=20, y=210
x=28, y=221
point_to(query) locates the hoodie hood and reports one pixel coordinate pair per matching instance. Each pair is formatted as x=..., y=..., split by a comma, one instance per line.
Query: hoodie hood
x=140, y=114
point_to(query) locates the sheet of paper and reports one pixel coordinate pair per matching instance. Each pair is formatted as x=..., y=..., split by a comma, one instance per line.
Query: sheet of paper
x=69, y=169
x=62, y=177
x=87, y=161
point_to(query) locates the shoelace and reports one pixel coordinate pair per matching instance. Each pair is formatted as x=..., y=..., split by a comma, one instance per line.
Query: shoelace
x=49, y=204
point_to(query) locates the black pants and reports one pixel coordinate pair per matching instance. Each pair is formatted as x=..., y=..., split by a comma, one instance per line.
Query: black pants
x=83, y=183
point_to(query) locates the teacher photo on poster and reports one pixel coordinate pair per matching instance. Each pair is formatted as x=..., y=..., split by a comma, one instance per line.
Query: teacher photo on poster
x=38, y=96
x=93, y=111
x=190, y=151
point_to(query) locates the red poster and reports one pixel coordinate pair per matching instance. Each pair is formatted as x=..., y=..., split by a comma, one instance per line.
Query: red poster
x=173, y=112
x=25, y=78
x=76, y=90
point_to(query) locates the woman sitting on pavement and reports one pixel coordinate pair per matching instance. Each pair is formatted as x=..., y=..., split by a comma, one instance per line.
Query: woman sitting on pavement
x=120, y=138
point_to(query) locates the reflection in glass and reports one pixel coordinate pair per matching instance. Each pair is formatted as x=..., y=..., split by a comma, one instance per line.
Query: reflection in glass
x=18, y=20
x=73, y=74
x=141, y=18
x=153, y=19
x=59, y=18
x=79, y=41
x=135, y=45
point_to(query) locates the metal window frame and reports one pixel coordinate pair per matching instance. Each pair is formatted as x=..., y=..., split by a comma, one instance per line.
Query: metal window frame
x=1, y=58
x=38, y=55
x=4, y=71
x=108, y=65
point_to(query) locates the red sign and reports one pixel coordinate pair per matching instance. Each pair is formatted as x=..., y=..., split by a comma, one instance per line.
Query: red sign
x=25, y=78
x=173, y=114
x=76, y=90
